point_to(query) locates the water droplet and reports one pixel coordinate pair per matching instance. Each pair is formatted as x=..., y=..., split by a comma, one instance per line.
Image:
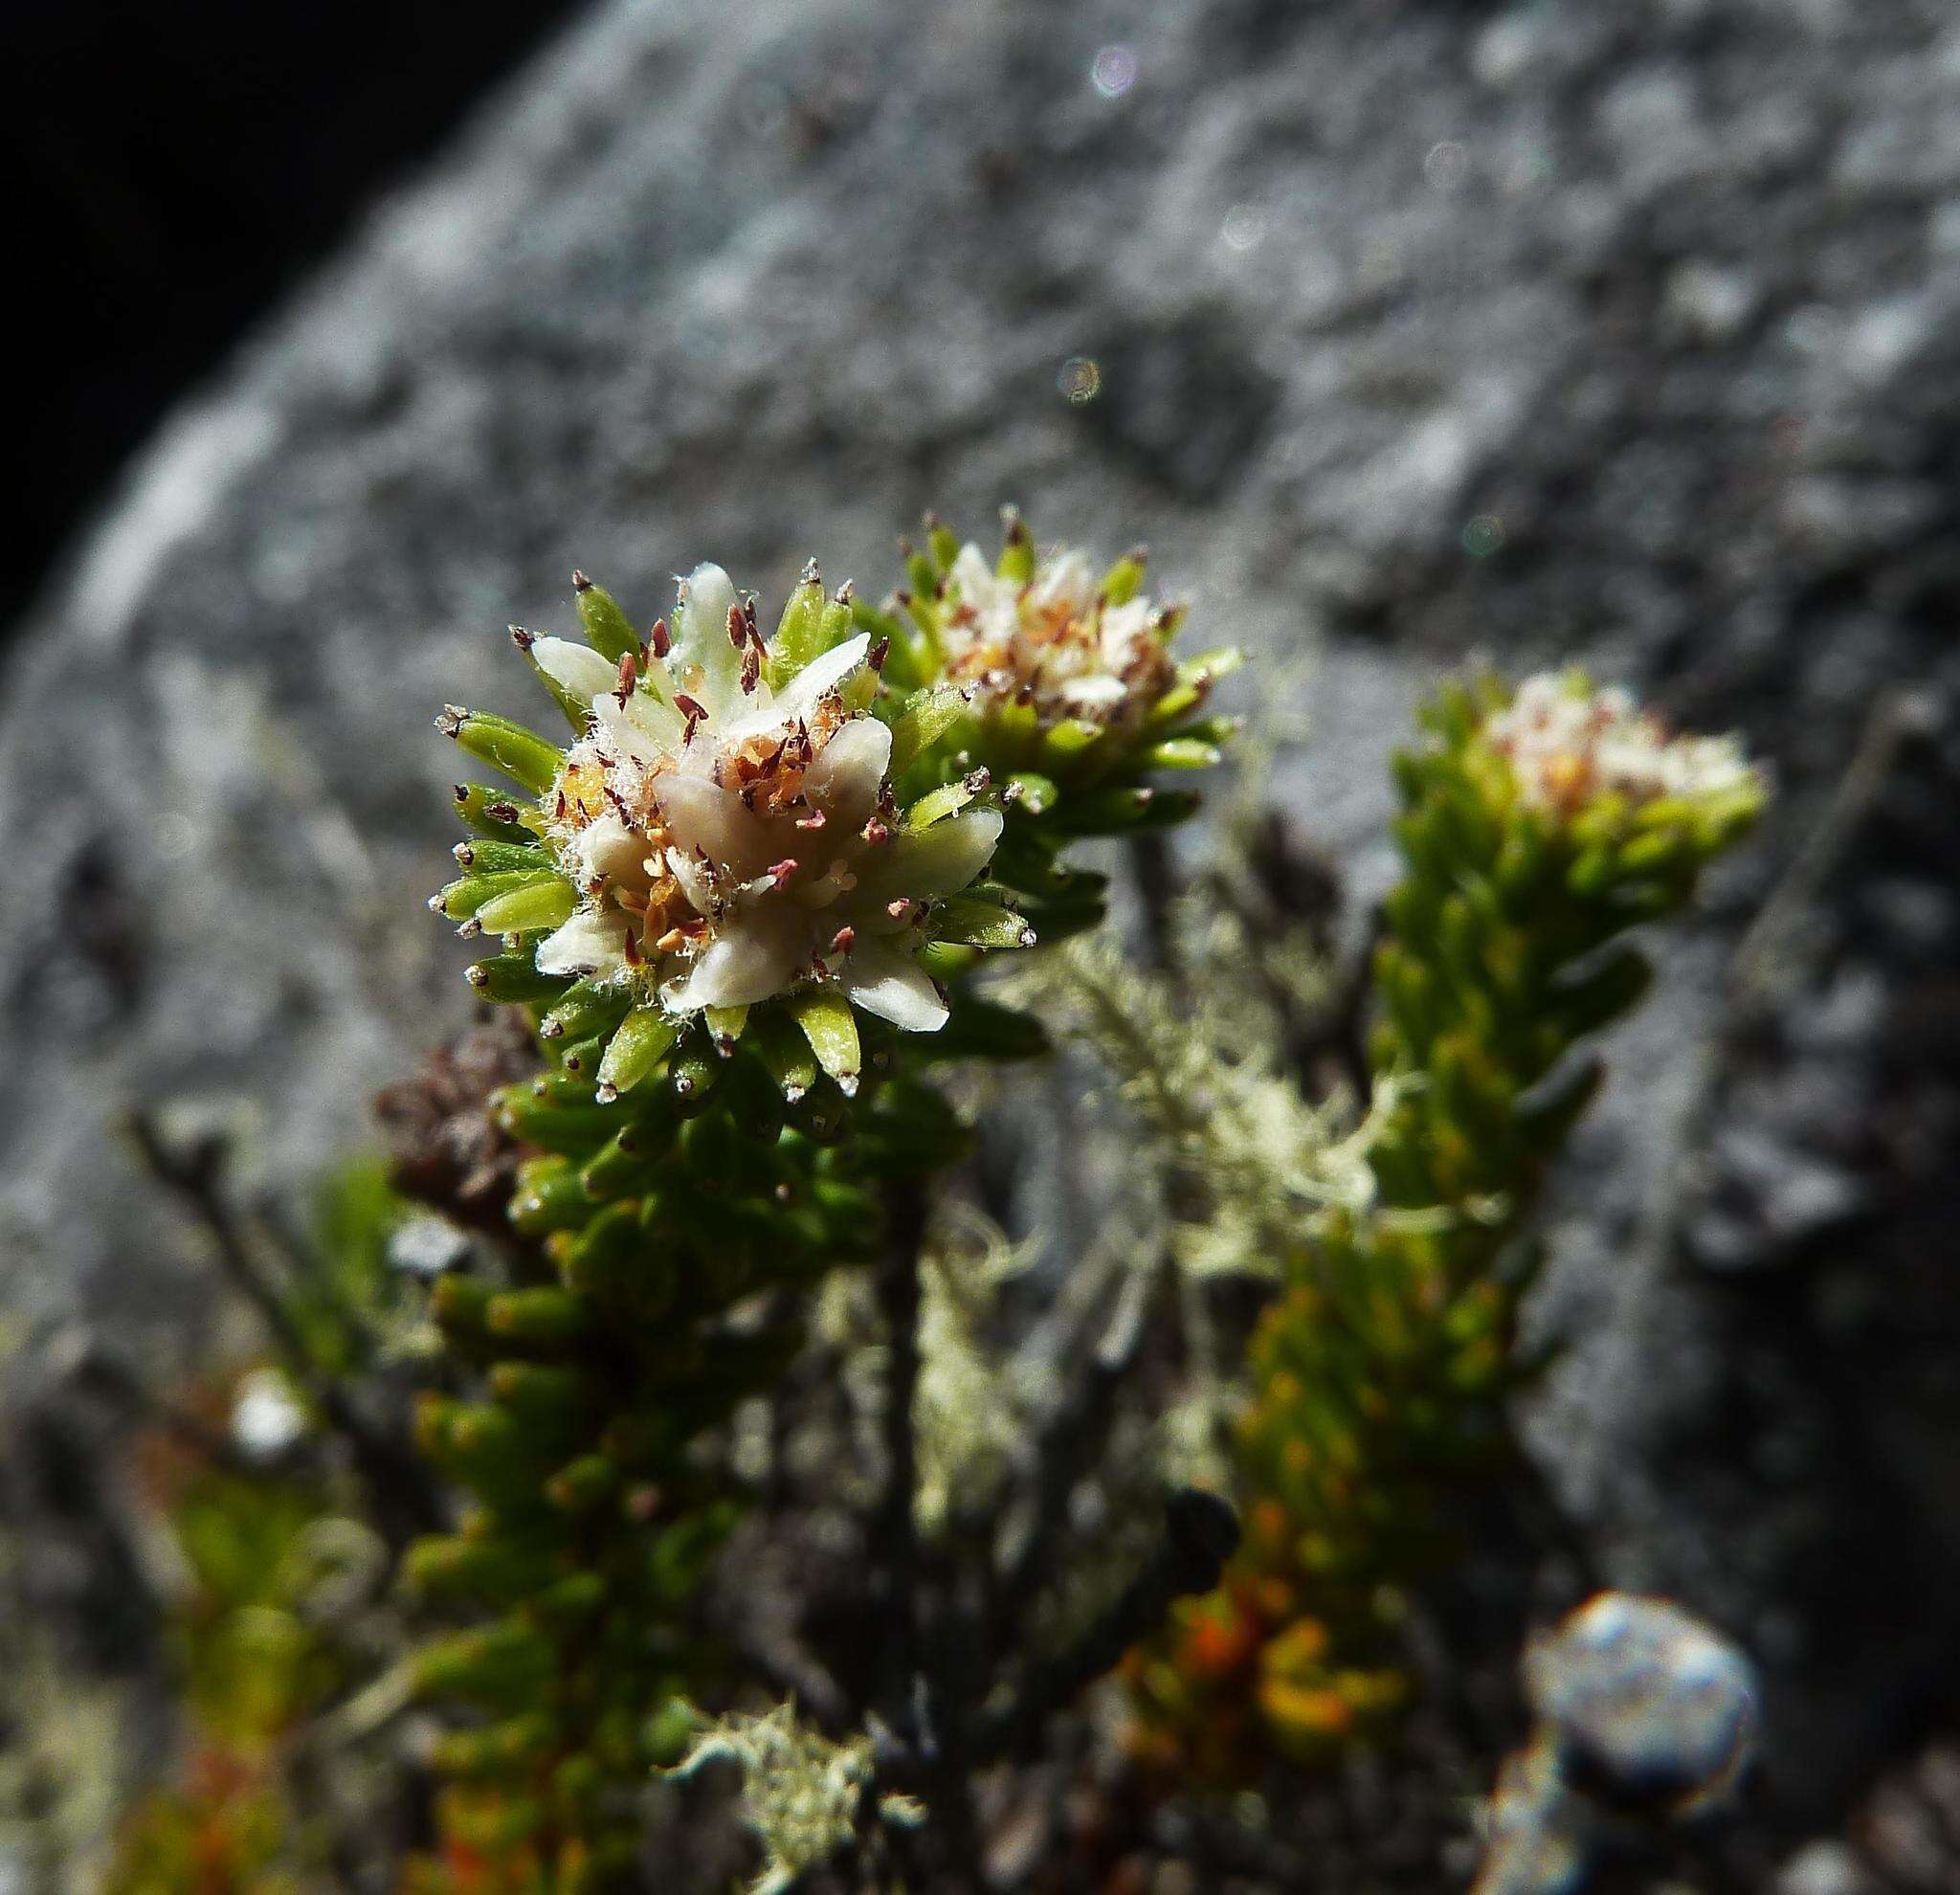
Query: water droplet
x=1484, y=536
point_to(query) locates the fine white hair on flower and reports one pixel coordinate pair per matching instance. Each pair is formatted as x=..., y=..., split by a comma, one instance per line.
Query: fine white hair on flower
x=1567, y=743
x=1054, y=642
x=732, y=840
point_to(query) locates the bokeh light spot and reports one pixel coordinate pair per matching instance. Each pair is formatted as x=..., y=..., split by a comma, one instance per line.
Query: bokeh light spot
x=1080, y=379
x=1484, y=536
x=1447, y=164
x=1244, y=227
x=1113, y=71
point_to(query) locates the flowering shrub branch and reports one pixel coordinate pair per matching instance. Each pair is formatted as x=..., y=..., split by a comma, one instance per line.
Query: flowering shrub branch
x=1537, y=827
x=732, y=904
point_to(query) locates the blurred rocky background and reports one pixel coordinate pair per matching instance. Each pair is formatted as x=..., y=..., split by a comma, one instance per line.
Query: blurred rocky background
x=1402, y=330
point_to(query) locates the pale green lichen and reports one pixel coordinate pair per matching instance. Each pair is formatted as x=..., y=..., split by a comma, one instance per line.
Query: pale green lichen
x=802, y=1792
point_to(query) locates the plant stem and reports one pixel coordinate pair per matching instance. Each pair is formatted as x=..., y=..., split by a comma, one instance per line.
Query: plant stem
x=895, y=1543
x=404, y=1499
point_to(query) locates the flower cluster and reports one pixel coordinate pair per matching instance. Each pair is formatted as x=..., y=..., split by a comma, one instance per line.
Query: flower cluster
x=731, y=840
x=1065, y=678
x=1056, y=641
x=723, y=831
x=1569, y=743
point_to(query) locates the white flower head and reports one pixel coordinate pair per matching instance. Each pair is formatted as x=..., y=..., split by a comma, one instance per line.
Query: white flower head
x=1054, y=641
x=1569, y=742
x=731, y=841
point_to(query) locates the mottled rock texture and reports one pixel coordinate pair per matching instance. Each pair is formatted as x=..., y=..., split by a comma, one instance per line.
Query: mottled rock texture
x=1628, y=331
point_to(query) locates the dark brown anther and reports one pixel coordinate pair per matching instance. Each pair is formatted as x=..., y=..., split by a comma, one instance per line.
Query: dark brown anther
x=462, y=791
x=524, y=640
x=738, y=627
x=501, y=811
x=579, y=582
x=843, y=939
x=660, y=638
x=879, y=652
x=692, y=710
x=629, y=678
x=464, y=855
x=559, y=809
x=751, y=668
x=977, y=780
x=451, y=721
x=630, y=946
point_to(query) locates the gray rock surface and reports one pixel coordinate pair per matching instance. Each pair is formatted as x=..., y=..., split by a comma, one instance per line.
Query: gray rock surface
x=1546, y=329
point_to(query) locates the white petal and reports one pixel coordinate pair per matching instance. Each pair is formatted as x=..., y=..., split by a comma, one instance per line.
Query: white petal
x=1066, y=580
x=930, y=862
x=1123, y=626
x=994, y=601
x=844, y=780
x=705, y=662
x=607, y=847
x=1098, y=690
x=639, y=733
x=972, y=577
x=696, y=883
x=894, y=986
x=589, y=943
x=703, y=815
x=574, y=668
x=756, y=956
x=800, y=696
